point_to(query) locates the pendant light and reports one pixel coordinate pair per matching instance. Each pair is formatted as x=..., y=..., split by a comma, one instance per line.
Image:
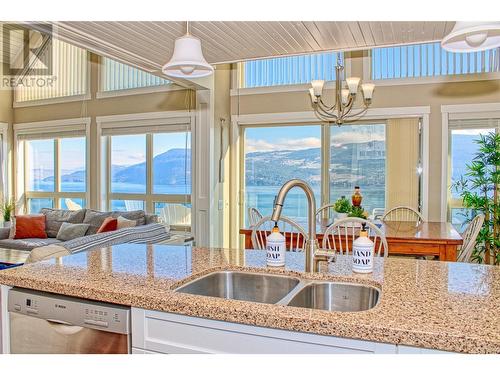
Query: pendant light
x=472, y=37
x=187, y=60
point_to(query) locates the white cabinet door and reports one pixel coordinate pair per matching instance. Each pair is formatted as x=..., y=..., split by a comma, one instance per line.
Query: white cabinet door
x=171, y=333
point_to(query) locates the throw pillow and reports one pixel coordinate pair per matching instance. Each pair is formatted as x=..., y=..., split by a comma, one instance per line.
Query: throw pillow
x=55, y=217
x=69, y=231
x=29, y=226
x=125, y=223
x=108, y=225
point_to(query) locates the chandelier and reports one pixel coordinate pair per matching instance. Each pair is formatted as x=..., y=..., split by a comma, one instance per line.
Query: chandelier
x=342, y=109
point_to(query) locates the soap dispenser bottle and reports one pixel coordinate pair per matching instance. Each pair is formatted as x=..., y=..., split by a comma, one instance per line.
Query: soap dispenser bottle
x=362, y=253
x=275, y=248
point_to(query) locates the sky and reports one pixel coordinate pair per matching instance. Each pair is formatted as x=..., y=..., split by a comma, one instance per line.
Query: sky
x=126, y=150
x=303, y=137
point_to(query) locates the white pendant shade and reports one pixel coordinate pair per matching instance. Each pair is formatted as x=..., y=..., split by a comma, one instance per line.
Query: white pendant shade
x=472, y=37
x=187, y=60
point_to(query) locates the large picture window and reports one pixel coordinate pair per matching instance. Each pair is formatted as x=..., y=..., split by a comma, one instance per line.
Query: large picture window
x=383, y=158
x=462, y=149
x=150, y=171
x=274, y=155
x=358, y=158
x=55, y=173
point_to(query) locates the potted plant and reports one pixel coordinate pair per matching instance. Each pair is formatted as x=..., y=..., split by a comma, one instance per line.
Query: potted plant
x=7, y=210
x=342, y=207
x=358, y=211
x=479, y=192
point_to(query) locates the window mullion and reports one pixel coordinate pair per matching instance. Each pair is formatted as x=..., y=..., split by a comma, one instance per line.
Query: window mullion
x=57, y=174
x=149, y=173
x=325, y=164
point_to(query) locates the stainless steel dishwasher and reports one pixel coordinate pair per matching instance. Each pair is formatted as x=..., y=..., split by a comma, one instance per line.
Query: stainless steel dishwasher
x=47, y=323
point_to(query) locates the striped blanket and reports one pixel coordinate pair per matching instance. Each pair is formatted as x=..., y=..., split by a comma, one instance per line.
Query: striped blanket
x=150, y=233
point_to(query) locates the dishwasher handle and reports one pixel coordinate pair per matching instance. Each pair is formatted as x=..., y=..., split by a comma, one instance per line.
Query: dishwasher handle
x=63, y=328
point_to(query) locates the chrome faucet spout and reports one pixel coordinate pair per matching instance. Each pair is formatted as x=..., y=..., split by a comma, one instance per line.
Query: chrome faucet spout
x=311, y=243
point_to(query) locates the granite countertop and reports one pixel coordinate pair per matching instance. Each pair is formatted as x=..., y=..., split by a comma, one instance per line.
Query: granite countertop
x=438, y=305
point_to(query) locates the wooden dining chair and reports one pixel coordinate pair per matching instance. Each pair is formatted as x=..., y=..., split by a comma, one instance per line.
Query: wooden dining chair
x=254, y=216
x=325, y=212
x=469, y=237
x=403, y=213
x=341, y=234
x=294, y=233
x=378, y=213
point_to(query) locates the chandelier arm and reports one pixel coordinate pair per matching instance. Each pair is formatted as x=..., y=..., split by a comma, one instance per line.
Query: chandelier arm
x=360, y=113
x=322, y=112
x=326, y=107
x=347, y=108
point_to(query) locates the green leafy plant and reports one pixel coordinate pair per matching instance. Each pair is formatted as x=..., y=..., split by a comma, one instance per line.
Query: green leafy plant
x=7, y=209
x=478, y=189
x=342, y=205
x=358, y=211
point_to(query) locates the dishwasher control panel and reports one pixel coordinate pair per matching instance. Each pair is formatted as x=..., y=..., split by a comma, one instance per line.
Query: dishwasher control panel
x=68, y=310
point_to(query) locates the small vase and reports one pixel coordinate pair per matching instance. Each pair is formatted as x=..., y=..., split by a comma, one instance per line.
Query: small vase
x=7, y=224
x=341, y=215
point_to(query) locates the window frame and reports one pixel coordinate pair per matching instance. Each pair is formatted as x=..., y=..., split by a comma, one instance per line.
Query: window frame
x=458, y=112
x=150, y=123
x=149, y=197
x=21, y=166
x=325, y=192
x=309, y=118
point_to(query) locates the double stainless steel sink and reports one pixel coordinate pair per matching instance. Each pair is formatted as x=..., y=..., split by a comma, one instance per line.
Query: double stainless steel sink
x=284, y=290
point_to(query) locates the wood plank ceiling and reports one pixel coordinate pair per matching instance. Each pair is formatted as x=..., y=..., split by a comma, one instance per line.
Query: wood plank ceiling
x=149, y=45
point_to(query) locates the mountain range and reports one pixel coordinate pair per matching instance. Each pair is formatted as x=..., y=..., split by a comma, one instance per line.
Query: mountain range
x=169, y=168
x=350, y=163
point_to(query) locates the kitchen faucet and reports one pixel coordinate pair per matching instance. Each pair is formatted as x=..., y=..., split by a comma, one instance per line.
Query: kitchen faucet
x=313, y=255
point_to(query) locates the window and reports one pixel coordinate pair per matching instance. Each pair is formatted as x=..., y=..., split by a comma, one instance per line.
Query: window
x=55, y=172
x=358, y=158
x=383, y=158
x=152, y=172
x=462, y=149
x=274, y=155
x=429, y=60
x=116, y=76
x=289, y=70
x=70, y=76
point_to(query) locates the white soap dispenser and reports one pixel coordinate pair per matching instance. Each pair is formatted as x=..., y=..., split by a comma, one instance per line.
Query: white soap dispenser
x=275, y=248
x=362, y=253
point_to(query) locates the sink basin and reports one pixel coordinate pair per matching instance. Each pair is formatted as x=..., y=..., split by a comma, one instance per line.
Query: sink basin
x=333, y=296
x=245, y=286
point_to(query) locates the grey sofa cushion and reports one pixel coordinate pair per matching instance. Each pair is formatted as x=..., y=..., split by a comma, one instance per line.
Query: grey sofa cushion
x=54, y=219
x=70, y=231
x=27, y=243
x=95, y=218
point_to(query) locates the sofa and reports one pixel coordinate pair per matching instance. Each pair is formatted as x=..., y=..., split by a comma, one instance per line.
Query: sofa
x=147, y=230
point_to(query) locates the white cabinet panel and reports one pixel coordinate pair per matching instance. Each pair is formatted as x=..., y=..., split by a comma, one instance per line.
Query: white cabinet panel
x=402, y=349
x=172, y=333
x=142, y=351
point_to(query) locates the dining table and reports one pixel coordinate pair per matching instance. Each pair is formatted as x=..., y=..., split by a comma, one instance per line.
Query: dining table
x=428, y=238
